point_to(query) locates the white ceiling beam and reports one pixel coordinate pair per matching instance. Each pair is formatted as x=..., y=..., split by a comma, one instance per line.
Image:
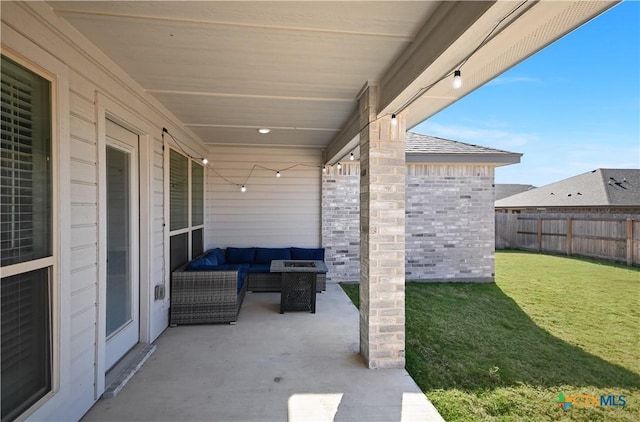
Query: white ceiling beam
x=345, y=141
x=250, y=96
x=492, y=36
x=517, y=36
x=447, y=24
x=288, y=28
x=319, y=129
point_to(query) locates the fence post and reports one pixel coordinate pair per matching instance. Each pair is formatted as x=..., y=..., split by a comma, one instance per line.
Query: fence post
x=629, y=241
x=539, y=234
x=569, y=234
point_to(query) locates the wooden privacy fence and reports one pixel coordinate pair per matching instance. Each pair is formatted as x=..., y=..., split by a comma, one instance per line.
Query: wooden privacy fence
x=616, y=239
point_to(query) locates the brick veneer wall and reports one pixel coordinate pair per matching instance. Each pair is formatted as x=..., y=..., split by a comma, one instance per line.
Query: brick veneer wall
x=613, y=212
x=449, y=222
x=341, y=222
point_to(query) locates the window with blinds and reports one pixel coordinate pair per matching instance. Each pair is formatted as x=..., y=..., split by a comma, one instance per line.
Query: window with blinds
x=25, y=213
x=26, y=350
x=186, y=208
x=26, y=221
x=178, y=191
x=197, y=194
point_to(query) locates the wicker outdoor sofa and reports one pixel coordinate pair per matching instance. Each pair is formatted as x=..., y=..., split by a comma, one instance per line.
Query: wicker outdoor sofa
x=211, y=288
x=260, y=277
x=206, y=297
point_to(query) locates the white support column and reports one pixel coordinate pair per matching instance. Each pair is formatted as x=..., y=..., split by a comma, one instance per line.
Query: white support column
x=382, y=236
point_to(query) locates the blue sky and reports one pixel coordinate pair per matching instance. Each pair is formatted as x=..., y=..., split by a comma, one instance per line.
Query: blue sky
x=570, y=108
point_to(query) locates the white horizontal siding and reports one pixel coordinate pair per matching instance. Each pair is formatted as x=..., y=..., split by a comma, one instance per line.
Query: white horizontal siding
x=82, y=319
x=157, y=270
x=33, y=31
x=82, y=128
x=274, y=212
x=84, y=214
x=82, y=339
x=84, y=276
x=83, y=362
x=82, y=257
x=83, y=193
x=81, y=106
x=84, y=151
x=84, y=237
x=80, y=299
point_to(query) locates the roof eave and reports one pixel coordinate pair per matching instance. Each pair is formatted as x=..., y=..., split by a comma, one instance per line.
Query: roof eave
x=495, y=160
x=521, y=206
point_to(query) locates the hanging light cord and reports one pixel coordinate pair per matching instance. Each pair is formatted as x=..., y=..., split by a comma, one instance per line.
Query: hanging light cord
x=179, y=144
x=414, y=98
x=454, y=71
x=494, y=29
x=255, y=166
x=486, y=39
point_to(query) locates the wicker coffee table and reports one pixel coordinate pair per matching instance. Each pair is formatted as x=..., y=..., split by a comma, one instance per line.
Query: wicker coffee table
x=299, y=277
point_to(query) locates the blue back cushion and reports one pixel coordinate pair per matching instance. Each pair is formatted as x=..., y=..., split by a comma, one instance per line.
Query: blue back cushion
x=217, y=255
x=196, y=264
x=240, y=255
x=210, y=259
x=308, y=254
x=266, y=255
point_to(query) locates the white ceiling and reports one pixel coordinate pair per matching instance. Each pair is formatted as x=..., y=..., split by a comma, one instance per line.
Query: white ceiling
x=227, y=68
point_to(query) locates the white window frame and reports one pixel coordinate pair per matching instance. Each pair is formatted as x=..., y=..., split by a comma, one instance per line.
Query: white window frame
x=59, y=90
x=190, y=227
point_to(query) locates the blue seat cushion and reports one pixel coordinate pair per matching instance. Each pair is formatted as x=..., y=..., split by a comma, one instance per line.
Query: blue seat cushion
x=311, y=254
x=259, y=268
x=240, y=255
x=266, y=255
x=217, y=255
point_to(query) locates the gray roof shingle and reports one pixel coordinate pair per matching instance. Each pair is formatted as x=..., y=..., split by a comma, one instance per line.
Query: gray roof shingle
x=504, y=190
x=600, y=188
x=418, y=143
x=426, y=148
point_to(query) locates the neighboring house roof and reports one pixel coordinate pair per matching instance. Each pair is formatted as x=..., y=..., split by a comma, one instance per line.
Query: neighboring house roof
x=597, y=188
x=504, y=190
x=425, y=148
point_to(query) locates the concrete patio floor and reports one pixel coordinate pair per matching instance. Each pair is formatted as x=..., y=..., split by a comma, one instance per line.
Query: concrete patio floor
x=269, y=367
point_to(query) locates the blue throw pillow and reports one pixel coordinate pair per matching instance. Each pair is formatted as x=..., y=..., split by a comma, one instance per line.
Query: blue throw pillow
x=210, y=260
x=240, y=255
x=310, y=254
x=218, y=254
x=196, y=264
x=266, y=255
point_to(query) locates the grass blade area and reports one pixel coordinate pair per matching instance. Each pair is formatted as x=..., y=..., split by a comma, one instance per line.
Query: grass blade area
x=505, y=351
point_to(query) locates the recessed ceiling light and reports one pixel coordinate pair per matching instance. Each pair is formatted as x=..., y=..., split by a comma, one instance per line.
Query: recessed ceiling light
x=264, y=131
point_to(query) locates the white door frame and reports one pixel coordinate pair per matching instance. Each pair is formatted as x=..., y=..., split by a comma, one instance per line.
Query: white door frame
x=107, y=108
x=126, y=336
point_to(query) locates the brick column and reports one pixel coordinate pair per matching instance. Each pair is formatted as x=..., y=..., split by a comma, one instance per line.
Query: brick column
x=382, y=236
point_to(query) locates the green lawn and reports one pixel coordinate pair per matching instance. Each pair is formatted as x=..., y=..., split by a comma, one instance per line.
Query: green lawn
x=504, y=351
